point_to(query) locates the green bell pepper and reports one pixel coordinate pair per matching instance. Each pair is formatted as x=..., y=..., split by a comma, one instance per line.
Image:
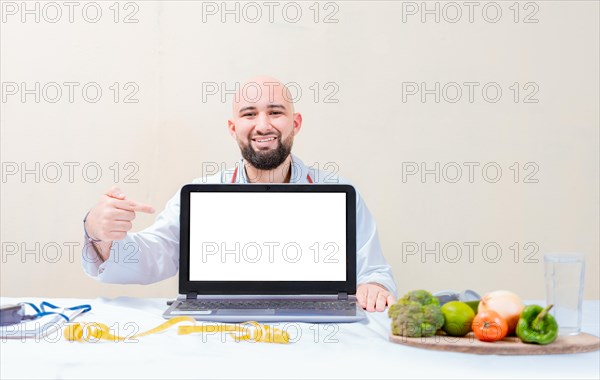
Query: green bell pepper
x=536, y=325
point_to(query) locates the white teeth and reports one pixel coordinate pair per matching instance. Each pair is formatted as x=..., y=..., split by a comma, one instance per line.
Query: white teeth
x=265, y=140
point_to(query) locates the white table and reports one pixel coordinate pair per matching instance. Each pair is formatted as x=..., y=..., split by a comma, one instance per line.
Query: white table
x=358, y=350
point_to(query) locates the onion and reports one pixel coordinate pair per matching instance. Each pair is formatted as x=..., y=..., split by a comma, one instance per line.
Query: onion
x=507, y=304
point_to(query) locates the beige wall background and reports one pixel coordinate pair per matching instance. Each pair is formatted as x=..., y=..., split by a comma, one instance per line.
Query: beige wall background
x=362, y=66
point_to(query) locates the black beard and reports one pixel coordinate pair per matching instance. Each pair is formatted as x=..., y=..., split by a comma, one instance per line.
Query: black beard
x=269, y=159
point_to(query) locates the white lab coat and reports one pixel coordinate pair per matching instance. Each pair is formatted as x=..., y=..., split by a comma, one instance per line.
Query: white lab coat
x=152, y=255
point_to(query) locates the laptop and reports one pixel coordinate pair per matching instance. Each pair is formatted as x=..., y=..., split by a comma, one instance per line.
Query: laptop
x=267, y=253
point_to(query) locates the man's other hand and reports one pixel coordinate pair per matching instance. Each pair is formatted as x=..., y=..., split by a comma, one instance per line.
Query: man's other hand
x=374, y=297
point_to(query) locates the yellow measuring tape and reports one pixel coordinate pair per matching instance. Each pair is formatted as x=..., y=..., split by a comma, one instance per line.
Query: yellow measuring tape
x=90, y=331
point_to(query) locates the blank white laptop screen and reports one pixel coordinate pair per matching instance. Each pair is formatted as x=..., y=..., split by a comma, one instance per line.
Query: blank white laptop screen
x=253, y=236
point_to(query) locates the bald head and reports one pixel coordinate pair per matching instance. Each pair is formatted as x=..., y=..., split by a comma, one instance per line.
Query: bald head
x=262, y=91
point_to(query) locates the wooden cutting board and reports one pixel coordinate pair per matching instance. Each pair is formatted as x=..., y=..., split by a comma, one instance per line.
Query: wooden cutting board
x=570, y=344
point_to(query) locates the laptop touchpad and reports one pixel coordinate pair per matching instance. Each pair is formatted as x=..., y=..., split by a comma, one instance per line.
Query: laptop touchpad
x=246, y=311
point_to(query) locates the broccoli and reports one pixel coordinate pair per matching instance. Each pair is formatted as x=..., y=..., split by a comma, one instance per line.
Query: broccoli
x=416, y=314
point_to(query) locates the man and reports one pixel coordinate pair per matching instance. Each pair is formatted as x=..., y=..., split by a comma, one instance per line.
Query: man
x=264, y=125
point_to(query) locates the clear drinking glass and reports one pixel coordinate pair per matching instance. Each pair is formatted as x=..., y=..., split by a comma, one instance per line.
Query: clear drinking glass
x=565, y=273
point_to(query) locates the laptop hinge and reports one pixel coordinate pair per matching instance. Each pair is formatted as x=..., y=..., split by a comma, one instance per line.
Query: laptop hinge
x=191, y=296
x=343, y=296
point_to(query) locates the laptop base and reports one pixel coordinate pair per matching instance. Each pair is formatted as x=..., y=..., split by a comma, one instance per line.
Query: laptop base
x=350, y=313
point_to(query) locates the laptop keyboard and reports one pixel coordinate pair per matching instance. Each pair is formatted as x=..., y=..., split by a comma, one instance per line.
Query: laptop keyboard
x=189, y=305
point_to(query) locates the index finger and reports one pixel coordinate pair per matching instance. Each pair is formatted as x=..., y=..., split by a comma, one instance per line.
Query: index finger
x=141, y=207
x=129, y=205
x=361, y=297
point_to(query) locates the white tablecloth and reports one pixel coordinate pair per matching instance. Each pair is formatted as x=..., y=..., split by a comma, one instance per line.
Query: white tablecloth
x=357, y=350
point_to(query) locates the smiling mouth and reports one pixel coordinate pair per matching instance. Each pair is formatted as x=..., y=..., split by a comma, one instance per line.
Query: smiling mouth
x=264, y=139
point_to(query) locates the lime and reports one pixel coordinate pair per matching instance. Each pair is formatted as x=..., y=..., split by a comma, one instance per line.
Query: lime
x=458, y=318
x=474, y=305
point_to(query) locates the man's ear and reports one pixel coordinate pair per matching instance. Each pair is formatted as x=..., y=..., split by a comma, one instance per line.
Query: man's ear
x=231, y=128
x=297, y=123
